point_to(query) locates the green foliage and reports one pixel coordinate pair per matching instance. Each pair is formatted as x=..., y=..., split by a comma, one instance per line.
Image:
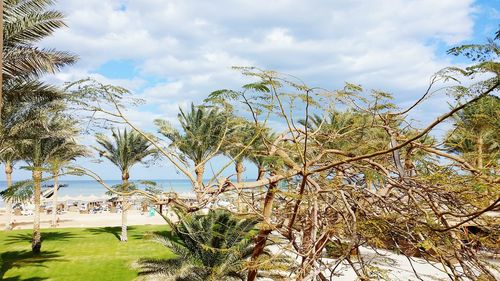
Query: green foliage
x=476, y=132
x=26, y=23
x=47, y=139
x=350, y=131
x=203, y=130
x=337, y=249
x=212, y=247
x=239, y=142
x=485, y=56
x=21, y=191
x=258, y=87
x=125, y=149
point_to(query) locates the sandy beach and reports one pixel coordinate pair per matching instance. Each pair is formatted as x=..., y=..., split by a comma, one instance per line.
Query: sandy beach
x=72, y=219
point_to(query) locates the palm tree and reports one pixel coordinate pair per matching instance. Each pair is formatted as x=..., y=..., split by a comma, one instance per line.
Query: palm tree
x=37, y=146
x=8, y=157
x=124, y=150
x=25, y=116
x=259, y=152
x=26, y=22
x=203, y=130
x=65, y=153
x=346, y=130
x=22, y=97
x=215, y=246
x=242, y=144
x=476, y=133
x=1, y=61
x=239, y=143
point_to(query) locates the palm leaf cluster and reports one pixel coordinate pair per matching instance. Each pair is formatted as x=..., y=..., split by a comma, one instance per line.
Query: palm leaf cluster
x=238, y=144
x=346, y=130
x=25, y=98
x=50, y=142
x=203, y=129
x=475, y=129
x=124, y=149
x=209, y=131
x=215, y=246
x=27, y=22
x=47, y=139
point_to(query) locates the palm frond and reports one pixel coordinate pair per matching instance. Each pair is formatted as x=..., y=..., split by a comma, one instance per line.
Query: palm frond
x=217, y=245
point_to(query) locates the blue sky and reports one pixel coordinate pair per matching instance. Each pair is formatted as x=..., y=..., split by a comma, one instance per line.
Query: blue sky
x=175, y=52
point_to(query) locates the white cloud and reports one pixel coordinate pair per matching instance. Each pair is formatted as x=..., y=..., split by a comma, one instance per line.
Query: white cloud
x=176, y=39
x=189, y=46
x=279, y=37
x=163, y=91
x=75, y=73
x=184, y=49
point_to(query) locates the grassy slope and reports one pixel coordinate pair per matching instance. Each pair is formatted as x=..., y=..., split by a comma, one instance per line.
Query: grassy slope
x=77, y=254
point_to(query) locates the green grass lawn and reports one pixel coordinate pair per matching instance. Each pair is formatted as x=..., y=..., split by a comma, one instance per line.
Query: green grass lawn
x=77, y=254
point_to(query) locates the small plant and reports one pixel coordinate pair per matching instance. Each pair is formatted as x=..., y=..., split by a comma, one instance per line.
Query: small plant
x=215, y=246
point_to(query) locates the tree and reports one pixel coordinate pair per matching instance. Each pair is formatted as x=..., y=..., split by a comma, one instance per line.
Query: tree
x=215, y=246
x=203, y=132
x=61, y=157
x=476, y=133
x=8, y=156
x=259, y=153
x=22, y=97
x=24, y=24
x=237, y=145
x=1, y=60
x=24, y=113
x=124, y=150
x=37, y=147
x=373, y=181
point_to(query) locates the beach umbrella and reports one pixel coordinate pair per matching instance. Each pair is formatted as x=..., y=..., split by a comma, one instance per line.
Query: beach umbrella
x=80, y=198
x=92, y=198
x=66, y=198
x=187, y=195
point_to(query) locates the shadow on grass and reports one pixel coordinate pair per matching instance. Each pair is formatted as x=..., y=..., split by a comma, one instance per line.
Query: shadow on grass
x=46, y=236
x=17, y=259
x=116, y=231
x=164, y=233
x=17, y=278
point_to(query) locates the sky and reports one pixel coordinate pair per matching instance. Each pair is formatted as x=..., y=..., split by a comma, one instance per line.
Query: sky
x=174, y=52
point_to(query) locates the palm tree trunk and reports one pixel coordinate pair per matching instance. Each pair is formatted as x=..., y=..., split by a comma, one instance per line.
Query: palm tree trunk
x=239, y=171
x=124, y=236
x=36, y=241
x=265, y=230
x=480, y=144
x=8, y=203
x=199, y=170
x=54, y=199
x=1, y=62
x=261, y=172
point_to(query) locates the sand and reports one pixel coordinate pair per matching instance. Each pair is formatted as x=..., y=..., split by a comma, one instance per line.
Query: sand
x=86, y=220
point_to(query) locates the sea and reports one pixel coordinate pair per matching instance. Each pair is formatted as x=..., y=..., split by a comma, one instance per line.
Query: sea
x=75, y=188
